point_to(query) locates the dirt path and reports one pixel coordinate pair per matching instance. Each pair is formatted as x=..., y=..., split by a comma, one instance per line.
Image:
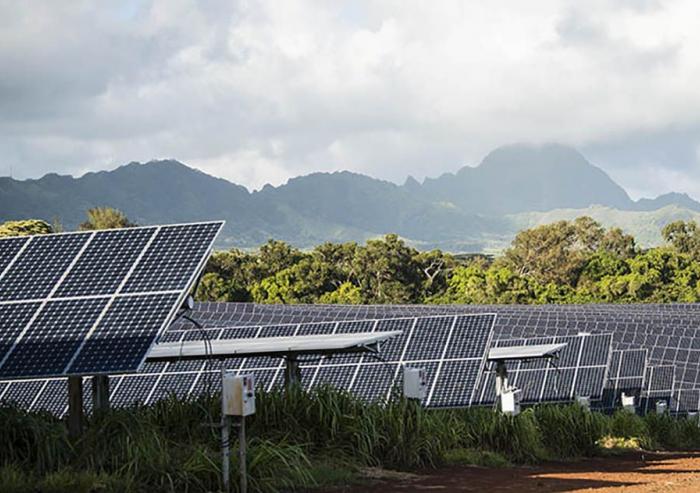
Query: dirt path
x=637, y=472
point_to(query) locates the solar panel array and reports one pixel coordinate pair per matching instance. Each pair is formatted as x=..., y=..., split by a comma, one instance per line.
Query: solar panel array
x=670, y=333
x=452, y=350
x=93, y=302
x=626, y=376
x=580, y=370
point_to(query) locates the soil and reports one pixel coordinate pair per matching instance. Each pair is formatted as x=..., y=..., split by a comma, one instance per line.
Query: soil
x=633, y=472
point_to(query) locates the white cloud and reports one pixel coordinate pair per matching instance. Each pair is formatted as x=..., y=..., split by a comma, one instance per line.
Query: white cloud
x=261, y=91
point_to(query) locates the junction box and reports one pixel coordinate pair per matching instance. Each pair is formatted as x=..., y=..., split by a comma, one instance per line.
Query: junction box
x=628, y=403
x=238, y=394
x=584, y=401
x=415, y=383
x=510, y=401
x=661, y=407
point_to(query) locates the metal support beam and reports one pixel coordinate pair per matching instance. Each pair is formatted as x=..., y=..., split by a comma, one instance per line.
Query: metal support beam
x=292, y=373
x=75, y=407
x=100, y=394
x=501, y=377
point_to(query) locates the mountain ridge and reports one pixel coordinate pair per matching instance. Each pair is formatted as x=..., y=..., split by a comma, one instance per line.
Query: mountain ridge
x=469, y=210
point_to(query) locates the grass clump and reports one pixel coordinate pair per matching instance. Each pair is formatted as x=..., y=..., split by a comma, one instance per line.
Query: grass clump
x=475, y=457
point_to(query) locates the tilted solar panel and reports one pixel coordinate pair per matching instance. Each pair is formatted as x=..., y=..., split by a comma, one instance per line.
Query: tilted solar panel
x=659, y=386
x=626, y=376
x=93, y=302
x=581, y=370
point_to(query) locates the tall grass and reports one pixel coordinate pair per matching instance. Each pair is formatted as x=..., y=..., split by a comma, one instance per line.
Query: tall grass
x=174, y=445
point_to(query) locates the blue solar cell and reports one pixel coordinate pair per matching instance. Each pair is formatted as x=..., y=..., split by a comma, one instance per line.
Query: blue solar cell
x=50, y=342
x=172, y=258
x=429, y=338
x=40, y=266
x=173, y=385
x=53, y=398
x=22, y=393
x=335, y=376
x=124, y=335
x=469, y=337
x=106, y=261
x=9, y=248
x=13, y=319
x=133, y=390
x=393, y=348
x=456, y=383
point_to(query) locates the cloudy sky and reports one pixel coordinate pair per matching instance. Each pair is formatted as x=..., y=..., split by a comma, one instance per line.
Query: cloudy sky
x=259, y=91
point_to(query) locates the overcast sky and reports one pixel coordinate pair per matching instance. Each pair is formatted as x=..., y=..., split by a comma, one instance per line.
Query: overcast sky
x=259, y=91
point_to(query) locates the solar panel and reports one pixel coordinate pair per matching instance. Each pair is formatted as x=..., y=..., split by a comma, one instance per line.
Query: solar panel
x=659, y=386
x=93, y=302
x=580, y=370
x=452, y=351
x=626, y=375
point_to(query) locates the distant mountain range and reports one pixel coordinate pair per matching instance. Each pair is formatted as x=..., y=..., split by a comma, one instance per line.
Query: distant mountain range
x=475, y=209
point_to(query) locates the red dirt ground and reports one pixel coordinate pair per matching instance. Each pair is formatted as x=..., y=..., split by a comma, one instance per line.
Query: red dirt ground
x=635, y=472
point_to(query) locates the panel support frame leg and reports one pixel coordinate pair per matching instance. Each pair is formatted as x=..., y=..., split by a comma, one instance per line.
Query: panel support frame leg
x=76, y=417
x=292, y=373
x=100, y=394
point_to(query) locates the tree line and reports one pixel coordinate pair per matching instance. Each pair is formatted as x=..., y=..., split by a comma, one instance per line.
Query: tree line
x=576, y=261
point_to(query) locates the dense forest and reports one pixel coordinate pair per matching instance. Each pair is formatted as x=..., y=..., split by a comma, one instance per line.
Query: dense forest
x=565, y=262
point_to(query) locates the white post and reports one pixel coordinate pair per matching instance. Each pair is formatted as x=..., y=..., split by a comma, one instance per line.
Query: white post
x=242, y=455
x=225, y=443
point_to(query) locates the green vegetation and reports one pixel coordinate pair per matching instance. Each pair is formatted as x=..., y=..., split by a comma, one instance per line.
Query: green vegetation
x=105, y=218
x=565, y=262
x=25, y=228
x=302, y=440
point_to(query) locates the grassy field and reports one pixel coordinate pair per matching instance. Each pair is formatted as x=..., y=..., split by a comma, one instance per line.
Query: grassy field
x=303, y=440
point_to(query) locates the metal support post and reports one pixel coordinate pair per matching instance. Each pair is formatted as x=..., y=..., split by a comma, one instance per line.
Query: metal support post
x=242, y=464
x=75, y=407
x=100, y=394
x=292, y=373
x=225, y=444
x=501, y=378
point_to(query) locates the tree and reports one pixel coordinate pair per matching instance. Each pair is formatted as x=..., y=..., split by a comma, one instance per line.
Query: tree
x=549, y=253
x=683, y=236
x=275, y=256
x=619, y=244
x=346, y=294
x=435, y=268
x=387, y=271
x=25, y=228
x=105, y=218
x=303, y=282
x=559, y=253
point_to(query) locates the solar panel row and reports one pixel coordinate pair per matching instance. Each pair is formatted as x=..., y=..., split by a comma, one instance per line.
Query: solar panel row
x=667, y=332
x=670, y=333
x=452, y=350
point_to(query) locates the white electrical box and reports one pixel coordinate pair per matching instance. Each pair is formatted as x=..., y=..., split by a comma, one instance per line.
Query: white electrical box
x=661, y=407
x=510, y=402
x=628, y=403
x=584, y=401
x=238, y=394
x=415, y=383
